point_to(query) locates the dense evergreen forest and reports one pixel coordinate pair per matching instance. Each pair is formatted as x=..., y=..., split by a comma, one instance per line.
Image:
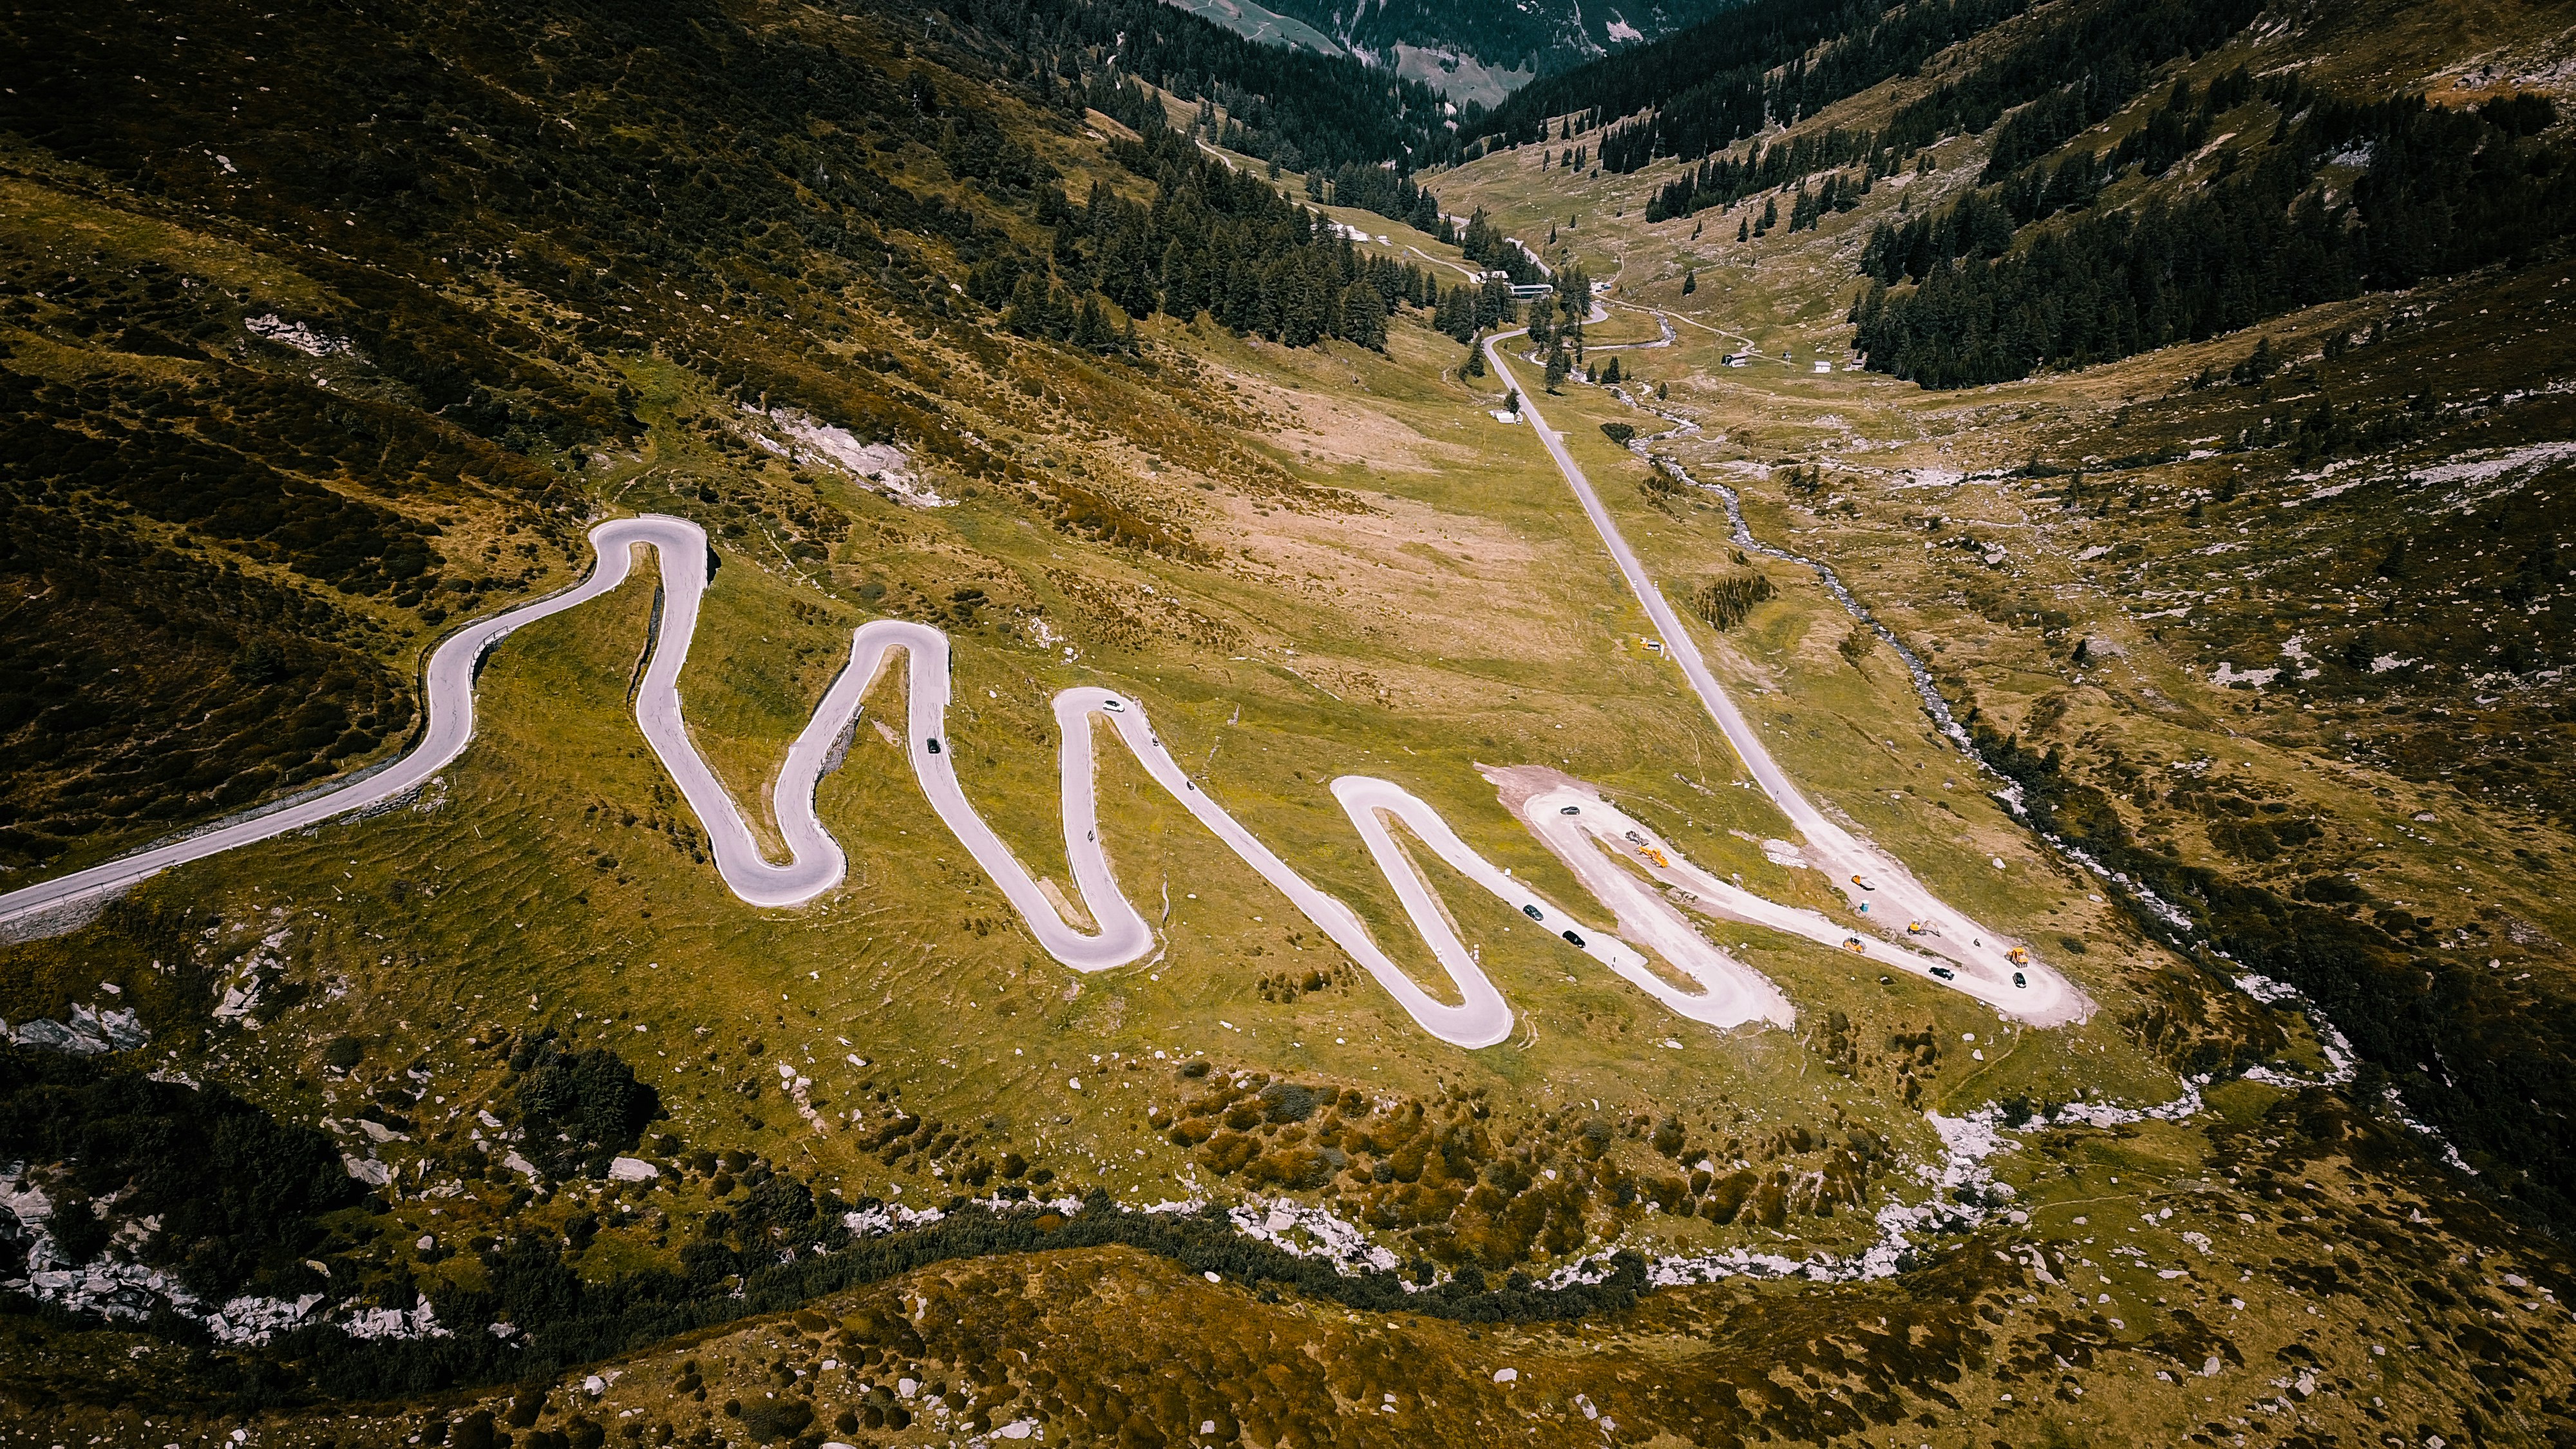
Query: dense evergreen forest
x=1731, y=78
x=1387, y=192
x=1722, y=181
x=1766, y=62
x=1215, y=242
x=2104, y=54
x=2438, y=192
x=1299, y=108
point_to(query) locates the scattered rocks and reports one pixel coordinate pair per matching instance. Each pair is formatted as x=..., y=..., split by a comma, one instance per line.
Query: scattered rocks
x=89, y=1033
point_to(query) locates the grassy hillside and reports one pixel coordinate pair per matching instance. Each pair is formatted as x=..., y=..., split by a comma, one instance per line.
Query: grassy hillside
x=546, y=268
x=2158, y=589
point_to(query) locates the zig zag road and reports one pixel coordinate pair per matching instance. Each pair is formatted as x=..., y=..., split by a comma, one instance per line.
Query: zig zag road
x=1727, y=994
x=1575, y=823
x=1980, y=962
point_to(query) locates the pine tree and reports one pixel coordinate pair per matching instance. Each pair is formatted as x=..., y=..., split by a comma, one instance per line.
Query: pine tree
x=1091, y=329
x=1181, y=293
x=1557, y=369
x=1026, y=314
x=1362, y=317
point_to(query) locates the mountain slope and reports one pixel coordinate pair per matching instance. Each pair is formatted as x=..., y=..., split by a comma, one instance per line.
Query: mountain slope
x=2263, y=538
x=1475, y=52
x=497, y=1112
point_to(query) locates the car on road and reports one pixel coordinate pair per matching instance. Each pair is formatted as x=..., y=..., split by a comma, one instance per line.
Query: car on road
x=1945, y=973
x=1569, y=935
x=1532, y=912
x=2020, y=982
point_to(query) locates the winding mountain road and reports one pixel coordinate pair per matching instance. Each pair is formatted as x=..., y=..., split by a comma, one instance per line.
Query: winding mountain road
x=1591, y=836
x=1727, y=994
x=1979, y=961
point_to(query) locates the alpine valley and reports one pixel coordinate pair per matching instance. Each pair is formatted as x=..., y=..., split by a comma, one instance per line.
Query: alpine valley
x=1902, y=675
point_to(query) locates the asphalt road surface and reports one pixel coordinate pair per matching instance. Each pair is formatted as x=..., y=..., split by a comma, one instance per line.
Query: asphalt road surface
x=1978, y=960
x=1722, y=993
x=816, y=864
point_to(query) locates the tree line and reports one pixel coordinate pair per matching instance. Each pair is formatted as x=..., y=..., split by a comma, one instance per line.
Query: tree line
x=1765, y=62
x=2442, y=191
x=1213, y=240
x=2106, y=51
x=1331, y=109
x=1382, y=189
x=1765, y=70
x=1721, y=181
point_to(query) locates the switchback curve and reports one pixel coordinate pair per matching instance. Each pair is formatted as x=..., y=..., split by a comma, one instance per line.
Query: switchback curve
x=1728, y=994
x=1982, y=963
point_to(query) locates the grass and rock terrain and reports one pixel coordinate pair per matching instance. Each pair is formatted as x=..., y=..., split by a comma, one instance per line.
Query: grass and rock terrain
x=403, y=1062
